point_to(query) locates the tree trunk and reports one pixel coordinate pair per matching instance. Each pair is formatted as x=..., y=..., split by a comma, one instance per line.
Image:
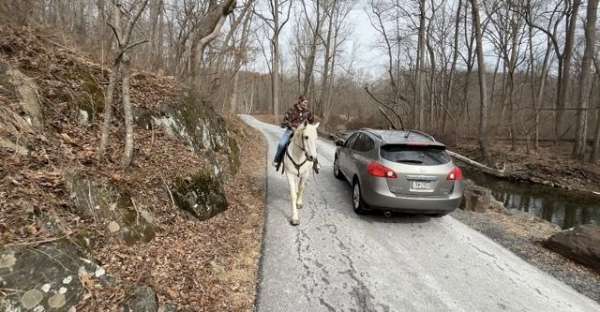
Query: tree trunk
x=240, y=59
x=275, y=76
x=128, y=113
x=156, y=33
x=420, y=60
x=565, y=79
x=586, y=81
x=309, y=61
x=596, y=150
x=539, y=101
x=432, y=86
x=108, y=109
x=455, y=48
x=483, y=115
x=112, y=81
x=326, y=60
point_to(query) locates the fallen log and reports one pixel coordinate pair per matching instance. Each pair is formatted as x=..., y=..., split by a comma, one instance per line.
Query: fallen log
x=502, y=173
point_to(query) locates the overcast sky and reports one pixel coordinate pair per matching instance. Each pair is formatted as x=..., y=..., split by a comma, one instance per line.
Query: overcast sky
x=368, y=56
x=362, y=40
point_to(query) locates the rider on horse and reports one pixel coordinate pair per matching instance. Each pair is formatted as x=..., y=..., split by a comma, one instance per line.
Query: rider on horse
x=293, y=118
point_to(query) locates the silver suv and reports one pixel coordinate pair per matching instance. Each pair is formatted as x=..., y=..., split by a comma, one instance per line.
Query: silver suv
x=404, y=171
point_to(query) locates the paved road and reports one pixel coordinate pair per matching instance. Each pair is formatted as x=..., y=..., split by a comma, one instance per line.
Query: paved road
x=338, y=261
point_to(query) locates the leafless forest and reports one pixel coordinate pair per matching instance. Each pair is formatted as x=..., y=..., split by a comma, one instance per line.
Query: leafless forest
x=524, y=71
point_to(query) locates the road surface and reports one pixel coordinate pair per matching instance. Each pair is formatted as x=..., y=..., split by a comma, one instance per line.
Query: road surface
x=336, y=260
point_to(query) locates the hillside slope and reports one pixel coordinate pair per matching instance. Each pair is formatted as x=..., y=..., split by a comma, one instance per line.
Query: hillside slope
x=104, y=233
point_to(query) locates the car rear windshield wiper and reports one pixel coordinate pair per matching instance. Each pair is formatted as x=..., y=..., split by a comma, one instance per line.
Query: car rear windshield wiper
x=410, y=161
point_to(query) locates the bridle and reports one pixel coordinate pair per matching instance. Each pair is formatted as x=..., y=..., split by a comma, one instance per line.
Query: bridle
x=307, y=158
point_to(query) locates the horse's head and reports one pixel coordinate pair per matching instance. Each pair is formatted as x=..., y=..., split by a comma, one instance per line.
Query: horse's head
x=307, y=135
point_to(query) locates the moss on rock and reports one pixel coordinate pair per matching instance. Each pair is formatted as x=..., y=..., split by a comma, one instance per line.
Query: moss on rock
x=93, y=100
x=201, y=194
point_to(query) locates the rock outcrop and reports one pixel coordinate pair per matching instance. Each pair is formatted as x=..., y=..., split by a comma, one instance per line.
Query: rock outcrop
x=112, y=207
x=580, y=244
x=206, y=134
x=204, y=130
x=22, y=115
x=48, y=277
x=202, y=195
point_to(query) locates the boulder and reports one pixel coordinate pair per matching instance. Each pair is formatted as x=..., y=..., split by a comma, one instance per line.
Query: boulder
x=580, y=244
x=479, y=199
x=201, y=194
x=143, y=299
x=46, y=277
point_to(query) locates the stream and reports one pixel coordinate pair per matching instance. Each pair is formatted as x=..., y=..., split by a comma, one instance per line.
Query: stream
x=558, y=206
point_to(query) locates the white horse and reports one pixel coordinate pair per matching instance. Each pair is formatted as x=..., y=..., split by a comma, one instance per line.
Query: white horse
x=298, y=161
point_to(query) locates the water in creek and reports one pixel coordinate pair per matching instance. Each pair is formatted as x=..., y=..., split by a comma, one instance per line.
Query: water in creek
x=557, y=206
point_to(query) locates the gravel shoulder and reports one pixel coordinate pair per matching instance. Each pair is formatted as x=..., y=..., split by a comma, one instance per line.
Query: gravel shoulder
x=522, y=234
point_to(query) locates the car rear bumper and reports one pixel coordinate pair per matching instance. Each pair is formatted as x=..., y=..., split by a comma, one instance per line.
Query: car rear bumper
x=376, y=194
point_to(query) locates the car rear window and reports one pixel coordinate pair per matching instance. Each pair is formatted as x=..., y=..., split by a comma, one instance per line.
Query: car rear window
x=415, y=154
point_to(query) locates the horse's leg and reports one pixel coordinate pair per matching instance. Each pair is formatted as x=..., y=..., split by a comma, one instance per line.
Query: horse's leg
x=294, y=196
x=300, y=199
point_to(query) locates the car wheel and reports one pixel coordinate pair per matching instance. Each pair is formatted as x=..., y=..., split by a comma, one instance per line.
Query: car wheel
x=358, y=204
x=336, y=170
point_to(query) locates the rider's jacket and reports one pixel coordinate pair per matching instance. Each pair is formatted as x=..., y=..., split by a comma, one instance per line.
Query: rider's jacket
x=295, y=116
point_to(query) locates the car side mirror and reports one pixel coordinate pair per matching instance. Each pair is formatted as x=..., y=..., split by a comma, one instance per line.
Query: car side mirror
x=339, y=142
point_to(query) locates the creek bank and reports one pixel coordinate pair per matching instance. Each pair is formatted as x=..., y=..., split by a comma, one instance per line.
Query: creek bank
x=550, y=166
x=581, y=244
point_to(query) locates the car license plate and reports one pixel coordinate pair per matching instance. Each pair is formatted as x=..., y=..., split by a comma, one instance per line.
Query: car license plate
x=421, y=186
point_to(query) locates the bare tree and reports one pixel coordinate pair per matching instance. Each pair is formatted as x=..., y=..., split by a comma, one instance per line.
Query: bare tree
x=507, y=37
x=336, y=35
x=483, y=95
x=585, y=80
x=207, y=28
x=278, y=18
x=241, y=57
x=121, y=62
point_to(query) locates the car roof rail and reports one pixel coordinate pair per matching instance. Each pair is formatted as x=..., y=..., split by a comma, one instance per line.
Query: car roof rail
x=372, y=132
x=429, y=136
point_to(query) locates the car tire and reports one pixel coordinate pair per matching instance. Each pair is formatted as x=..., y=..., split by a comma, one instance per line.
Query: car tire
x=358, y=204
x=336, y=170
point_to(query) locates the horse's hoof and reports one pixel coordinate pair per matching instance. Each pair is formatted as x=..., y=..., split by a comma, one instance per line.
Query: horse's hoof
x=294, y=222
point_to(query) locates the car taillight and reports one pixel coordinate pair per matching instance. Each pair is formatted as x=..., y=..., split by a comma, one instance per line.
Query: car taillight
x=378, y=170
x=455, y=175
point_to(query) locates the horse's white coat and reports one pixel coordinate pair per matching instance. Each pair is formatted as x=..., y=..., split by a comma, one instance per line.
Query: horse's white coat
x=303, y=150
